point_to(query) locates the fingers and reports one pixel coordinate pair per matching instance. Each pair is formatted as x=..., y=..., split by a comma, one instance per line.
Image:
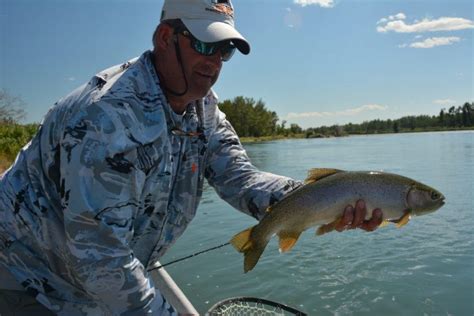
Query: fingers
x=359, y=214
x=374, y=222
x=346, y=220
x=355, y=218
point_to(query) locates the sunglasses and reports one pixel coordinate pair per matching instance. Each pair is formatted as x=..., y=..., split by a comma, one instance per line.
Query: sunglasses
x=226, y=48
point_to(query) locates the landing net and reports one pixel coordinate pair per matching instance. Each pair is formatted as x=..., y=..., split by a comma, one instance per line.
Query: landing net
x=240, y=306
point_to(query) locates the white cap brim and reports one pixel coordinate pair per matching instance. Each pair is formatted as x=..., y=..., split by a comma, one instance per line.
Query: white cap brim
x=211, y=31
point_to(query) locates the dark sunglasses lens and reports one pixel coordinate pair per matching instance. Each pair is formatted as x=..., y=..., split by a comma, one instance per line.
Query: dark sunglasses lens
x=204, y=48
x=227, y=51
x=209, y=49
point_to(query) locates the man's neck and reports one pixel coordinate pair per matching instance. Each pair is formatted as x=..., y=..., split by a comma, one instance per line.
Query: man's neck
x=178, y=104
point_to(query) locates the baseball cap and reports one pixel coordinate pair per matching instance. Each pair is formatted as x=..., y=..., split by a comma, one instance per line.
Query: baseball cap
x=209, y=21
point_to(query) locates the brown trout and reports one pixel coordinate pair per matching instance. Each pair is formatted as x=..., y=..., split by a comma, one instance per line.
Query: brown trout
x=321, y=202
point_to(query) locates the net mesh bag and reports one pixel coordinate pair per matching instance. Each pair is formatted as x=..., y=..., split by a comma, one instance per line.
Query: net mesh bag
x=241, y=306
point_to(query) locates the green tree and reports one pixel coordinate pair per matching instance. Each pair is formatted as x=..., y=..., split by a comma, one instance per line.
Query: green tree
x=250, y=117
x=396, y=129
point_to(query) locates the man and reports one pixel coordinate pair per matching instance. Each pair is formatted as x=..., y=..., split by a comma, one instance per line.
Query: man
x=116, y=171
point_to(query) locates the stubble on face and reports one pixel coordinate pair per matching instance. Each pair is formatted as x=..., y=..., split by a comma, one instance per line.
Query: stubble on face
x=202, y=78
x=195, y=74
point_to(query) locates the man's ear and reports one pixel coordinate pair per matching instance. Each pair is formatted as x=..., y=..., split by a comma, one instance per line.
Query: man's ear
x=163, y=36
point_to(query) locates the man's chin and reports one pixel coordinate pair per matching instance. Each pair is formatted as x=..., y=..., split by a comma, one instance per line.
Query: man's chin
x=202, y=90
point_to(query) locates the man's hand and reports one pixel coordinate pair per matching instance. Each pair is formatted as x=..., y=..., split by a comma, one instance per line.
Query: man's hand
x=355, y=218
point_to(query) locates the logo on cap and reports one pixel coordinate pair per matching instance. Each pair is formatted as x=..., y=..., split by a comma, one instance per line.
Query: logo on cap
x=222, y=7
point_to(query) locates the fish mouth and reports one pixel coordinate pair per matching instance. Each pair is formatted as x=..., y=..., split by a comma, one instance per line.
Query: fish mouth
x=438, y=204
x=441, y=200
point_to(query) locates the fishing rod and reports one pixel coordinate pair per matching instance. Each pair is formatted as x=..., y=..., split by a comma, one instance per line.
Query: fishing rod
x=239, y=305
x=187, y=257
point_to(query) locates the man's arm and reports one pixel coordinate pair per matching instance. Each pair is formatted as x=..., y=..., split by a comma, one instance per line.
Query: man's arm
x=238, y=182
x=100, y=196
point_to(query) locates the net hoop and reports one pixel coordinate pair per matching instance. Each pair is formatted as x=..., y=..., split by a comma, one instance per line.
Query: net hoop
x=259, y=305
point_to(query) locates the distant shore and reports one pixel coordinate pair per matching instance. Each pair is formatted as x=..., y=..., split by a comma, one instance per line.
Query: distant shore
x=6, y=159
x=302, y=135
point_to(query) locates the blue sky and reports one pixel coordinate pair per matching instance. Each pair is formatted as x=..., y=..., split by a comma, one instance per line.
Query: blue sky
x=314, y=62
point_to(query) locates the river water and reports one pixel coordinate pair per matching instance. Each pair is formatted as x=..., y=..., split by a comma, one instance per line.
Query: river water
x=424, y=268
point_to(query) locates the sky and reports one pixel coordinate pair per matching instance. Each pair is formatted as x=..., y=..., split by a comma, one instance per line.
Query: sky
x=313, y=62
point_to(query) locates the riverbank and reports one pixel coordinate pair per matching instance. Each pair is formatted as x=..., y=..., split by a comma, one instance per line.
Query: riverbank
x=300, y=136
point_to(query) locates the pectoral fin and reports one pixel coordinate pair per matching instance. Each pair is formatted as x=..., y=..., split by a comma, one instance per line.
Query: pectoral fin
x=287, y=240
x=402, y=221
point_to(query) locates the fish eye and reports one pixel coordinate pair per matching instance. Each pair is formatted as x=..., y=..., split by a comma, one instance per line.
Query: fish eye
x=435, y=195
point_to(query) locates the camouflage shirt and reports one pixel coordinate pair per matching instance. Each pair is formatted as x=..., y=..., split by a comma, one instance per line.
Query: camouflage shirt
x=107, y=185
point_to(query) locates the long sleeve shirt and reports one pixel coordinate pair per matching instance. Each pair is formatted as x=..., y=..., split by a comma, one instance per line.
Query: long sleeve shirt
x=107, y=185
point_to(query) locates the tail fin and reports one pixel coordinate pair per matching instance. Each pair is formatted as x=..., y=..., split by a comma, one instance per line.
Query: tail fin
x=251, y=249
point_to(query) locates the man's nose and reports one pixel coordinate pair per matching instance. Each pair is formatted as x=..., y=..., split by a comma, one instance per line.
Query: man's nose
x=215, y=59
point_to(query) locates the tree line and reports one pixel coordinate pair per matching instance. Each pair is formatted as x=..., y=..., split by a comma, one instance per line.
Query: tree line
x=251, y=118
x=461, y=117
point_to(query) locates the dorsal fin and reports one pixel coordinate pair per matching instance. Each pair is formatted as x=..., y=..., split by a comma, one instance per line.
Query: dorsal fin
x=319, y=173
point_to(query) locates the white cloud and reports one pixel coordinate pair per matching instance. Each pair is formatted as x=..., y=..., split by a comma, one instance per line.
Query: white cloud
x=71, y=79
x=426, y=25
x=400, y=16
x=435, y=41
x=321, y=3
x=347, y=112
x=444, y=101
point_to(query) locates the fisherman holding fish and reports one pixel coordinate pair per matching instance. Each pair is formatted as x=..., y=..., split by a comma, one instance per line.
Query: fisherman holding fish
x=115, y=174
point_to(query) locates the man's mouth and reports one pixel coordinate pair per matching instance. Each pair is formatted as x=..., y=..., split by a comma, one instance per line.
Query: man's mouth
x=205, y=75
